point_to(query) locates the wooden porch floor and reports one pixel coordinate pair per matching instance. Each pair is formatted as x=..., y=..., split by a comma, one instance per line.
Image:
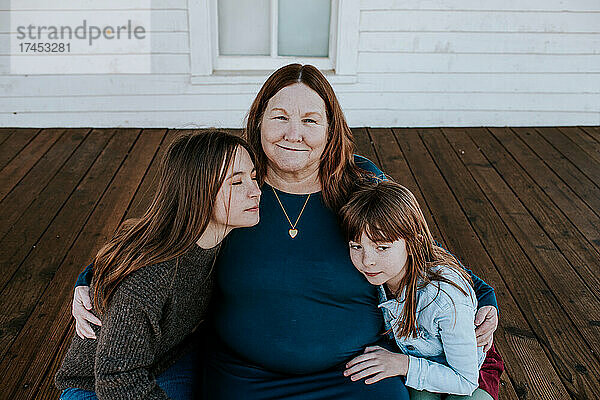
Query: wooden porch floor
x=520, y=206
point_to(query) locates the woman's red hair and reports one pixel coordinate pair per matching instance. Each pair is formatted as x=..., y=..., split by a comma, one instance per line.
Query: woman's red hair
x=337, y=170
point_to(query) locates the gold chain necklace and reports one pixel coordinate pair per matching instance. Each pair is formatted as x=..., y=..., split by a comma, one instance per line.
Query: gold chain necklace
x=293, y=231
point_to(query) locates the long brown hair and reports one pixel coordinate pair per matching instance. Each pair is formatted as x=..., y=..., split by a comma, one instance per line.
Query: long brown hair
x=337, y=170
x=191, y=173
x=386, y=212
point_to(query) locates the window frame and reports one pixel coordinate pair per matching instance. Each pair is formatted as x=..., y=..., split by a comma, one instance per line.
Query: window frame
x=209, y=67
x=272, y=61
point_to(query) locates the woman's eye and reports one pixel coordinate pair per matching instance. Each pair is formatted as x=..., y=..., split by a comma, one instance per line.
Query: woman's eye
x=281, y=117
x=382, y=248
x=310, y=120
x=236, y=183
x=355, y=246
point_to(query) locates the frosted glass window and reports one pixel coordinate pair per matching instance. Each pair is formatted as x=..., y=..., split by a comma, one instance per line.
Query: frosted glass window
x=244, y=27
x=303, y=28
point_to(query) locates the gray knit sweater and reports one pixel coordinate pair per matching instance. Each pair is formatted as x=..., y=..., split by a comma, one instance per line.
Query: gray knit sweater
x=144, y=329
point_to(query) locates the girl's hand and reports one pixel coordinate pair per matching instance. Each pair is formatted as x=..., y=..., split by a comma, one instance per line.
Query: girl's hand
x=378, y=363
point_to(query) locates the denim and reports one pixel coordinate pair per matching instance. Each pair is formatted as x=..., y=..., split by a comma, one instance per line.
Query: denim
x=444, y=356
x=177, y=382
x=77, y=394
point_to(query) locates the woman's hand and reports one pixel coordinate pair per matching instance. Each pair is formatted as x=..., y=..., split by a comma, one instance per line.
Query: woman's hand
x=81, y=306
x=378, y=363
x=486, y=322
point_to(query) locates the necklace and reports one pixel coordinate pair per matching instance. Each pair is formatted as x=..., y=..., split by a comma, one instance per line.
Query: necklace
x=293, y=231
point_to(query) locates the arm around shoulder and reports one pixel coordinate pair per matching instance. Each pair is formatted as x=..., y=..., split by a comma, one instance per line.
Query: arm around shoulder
x=369, y=166
x=486, y=296
x=85, y=277
x=484, y=292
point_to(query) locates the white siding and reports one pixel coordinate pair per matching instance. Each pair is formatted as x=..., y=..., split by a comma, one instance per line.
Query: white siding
x=420, y=63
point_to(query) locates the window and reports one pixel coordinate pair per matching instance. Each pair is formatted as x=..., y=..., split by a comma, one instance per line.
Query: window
x=280, y=31
x=246, y=36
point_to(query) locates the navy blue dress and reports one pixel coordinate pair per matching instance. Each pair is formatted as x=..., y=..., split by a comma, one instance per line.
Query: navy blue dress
x=289, y=313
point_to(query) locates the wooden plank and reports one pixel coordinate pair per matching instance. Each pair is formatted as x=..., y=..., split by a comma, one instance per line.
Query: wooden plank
x=146, y=189
x=550, y=249
x=479, y=100
x=34, y=274
x=482, y=43
x=559, y=338
x=390, y=115
x=18, y=167
x=526, y=362
x=578, y=212
x=14, y=144
x=584, y=218
x=585, y=163
x=442, y=82
x=355, y=100
x=507, y=5
x=20, y=198
x=115, y=6
x=394, y=164
x=363, y=145
x=46, y=388
x=475, y=20
x=583, y=140
x=5, y=134
x=132, y=103
x=22, y=237
x=473, y=63
x=571, y=175
x=507, y=390
x=52, y=317
x=593, y=132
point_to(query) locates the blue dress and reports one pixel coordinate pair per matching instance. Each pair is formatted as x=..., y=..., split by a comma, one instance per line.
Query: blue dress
x=290, y=312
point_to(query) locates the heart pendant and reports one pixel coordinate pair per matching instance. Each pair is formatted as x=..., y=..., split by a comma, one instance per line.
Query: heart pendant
x=293, y=232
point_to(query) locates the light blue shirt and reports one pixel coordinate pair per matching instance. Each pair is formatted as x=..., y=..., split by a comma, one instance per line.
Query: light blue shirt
x=444, y=356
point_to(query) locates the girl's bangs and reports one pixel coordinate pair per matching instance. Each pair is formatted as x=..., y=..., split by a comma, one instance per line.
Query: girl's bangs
x=381, y=233
x=376, y=223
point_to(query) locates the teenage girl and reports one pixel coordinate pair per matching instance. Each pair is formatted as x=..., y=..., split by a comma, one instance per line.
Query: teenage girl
x=153, y=280
x=427, y=298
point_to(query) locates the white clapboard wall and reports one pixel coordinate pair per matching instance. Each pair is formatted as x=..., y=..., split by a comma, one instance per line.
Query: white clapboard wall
x=420, y=63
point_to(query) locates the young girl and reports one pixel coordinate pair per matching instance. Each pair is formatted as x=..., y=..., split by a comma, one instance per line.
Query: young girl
x=153, y=280
x=427, y=299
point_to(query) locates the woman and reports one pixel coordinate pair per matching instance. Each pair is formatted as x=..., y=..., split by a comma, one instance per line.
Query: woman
x=152, y=282
x=280, y=332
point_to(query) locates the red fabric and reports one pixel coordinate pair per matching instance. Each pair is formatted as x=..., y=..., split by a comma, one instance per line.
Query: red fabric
x=489, y=374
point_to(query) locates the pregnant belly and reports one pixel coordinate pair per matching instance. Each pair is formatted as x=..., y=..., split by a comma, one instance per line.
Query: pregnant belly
x=299, y=336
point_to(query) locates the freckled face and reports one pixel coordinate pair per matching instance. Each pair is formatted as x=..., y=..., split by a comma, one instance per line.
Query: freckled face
x=294, y=129
x=380, y=263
